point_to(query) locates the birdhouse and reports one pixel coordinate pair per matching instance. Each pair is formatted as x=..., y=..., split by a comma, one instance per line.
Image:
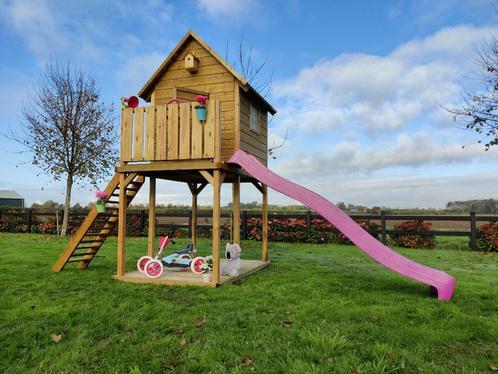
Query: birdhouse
x=191, y=63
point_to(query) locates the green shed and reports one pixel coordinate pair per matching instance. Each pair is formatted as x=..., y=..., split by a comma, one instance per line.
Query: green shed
x=11, y=199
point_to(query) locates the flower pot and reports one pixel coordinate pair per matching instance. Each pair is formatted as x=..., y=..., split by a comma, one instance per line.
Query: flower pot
x=201, y=113
x=206, y=277
x=100, y=207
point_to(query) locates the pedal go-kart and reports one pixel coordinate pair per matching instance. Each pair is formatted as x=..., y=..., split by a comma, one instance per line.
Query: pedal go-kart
x=180, y=259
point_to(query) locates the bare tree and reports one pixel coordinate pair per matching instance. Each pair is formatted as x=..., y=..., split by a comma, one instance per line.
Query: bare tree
x=479, y=111
x=68, y=130
x=253, y=73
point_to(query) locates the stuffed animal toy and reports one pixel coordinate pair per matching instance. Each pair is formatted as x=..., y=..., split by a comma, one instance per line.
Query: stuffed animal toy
x=231, y=266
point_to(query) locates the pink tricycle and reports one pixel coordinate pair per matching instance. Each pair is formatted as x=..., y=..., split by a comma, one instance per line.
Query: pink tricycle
x=180, y=259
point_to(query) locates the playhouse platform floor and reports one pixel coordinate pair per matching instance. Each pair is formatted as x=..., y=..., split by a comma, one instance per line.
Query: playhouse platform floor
x=173, y=277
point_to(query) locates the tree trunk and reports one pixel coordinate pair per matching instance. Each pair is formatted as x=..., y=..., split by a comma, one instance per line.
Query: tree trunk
x=67, y=204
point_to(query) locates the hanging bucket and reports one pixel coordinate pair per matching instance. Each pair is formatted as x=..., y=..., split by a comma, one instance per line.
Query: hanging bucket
x=100, y=207
x=201, y=113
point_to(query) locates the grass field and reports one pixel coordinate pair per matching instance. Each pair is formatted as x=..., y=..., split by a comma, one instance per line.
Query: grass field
x=316, y=309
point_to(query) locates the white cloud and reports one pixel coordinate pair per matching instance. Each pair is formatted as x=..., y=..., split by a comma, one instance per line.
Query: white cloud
x=136, y=70
x=230, y=10
x=58, y=28
x=49, y=29
x=34, y=22
x=350, y=158
x=381, y=92
x=408, y=191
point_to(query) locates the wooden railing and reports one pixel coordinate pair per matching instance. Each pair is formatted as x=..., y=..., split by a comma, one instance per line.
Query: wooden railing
x=170, y=132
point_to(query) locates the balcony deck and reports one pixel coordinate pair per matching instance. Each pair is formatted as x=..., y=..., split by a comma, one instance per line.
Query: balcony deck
x=172, y=277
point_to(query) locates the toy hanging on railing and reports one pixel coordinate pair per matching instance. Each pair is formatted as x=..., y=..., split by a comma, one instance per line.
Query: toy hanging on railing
x=129, y=102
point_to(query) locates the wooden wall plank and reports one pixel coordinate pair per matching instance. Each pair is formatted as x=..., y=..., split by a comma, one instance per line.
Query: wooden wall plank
x=126, y=137
x=161, y=133
x=185, y=130
x=209, y=140
x=138, y=134
x=150, y=133
x=172, y=150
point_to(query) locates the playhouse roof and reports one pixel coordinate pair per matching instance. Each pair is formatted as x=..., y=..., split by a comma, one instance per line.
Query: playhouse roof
x=146, y=91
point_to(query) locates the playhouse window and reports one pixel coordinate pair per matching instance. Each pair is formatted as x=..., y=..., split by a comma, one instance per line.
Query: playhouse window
x=254, y=118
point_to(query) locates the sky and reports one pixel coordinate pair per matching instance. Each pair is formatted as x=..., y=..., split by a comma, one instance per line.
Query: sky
x=359, y=86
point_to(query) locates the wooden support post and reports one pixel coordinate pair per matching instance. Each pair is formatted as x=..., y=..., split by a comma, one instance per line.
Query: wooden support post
x=196, y=190
x=142, y=220
x=473, y=231
x=383, y=227
x=236, y=209
x=308, y=222
x=152, y=216
x=194, y=218
x=264, y=223
x=216, y=225
x=30, y=219
x=244, y=224
x=121, y=225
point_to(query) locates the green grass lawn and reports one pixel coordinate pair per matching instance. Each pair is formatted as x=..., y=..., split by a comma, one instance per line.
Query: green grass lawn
x=316, y=309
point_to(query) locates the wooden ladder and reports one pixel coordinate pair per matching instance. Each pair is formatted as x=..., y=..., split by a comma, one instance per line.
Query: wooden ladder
x=97, y=226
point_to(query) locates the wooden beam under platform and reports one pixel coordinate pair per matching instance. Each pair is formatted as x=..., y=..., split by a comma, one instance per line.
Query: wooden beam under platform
x=188, y=171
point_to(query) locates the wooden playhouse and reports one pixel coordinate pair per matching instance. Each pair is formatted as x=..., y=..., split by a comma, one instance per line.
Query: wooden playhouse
x=166, y=141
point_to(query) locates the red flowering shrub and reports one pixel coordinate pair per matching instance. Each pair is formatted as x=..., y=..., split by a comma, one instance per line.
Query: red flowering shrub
x=14, y=223
x=414, y=234
x=47, y=228
x=487, y=237
x=294, y=230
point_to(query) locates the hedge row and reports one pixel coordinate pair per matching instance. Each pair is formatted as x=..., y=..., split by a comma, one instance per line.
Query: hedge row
x=416, y=234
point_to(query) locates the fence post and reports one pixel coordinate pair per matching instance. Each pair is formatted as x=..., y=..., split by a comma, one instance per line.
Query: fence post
x=473, y=232
x=190, y=224
x=308, y=222
x=383, y=227
x=244, y=224
x=142, y=221
x=30, y=219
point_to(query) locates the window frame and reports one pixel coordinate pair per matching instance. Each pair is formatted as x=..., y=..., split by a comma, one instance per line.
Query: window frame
x=258, y=125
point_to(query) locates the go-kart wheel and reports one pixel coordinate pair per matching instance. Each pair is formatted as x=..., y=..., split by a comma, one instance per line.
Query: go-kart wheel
x=154, y=269
x=141, y=263
x=196, y=264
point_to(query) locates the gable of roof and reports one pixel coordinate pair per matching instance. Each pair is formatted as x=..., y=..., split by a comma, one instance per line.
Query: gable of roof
x=4, y=194
x=146, y=91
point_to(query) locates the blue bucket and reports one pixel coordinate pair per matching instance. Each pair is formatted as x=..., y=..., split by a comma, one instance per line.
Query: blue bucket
x=201, y=113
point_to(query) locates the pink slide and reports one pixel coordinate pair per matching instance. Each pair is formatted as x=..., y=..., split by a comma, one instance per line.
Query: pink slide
x=443, y=283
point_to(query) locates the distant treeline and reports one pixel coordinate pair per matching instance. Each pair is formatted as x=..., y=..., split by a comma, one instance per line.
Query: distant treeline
x=483, y=206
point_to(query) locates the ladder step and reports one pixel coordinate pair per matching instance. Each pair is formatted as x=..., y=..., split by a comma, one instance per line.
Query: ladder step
x=79, y=259
x=92, y=241
x=112, y=202
x=117, y=195
x=89, y=253
x=89, y=247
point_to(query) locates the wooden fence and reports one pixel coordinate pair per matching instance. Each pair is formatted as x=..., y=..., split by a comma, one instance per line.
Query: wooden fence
x=169, y=132
x=472, y=219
